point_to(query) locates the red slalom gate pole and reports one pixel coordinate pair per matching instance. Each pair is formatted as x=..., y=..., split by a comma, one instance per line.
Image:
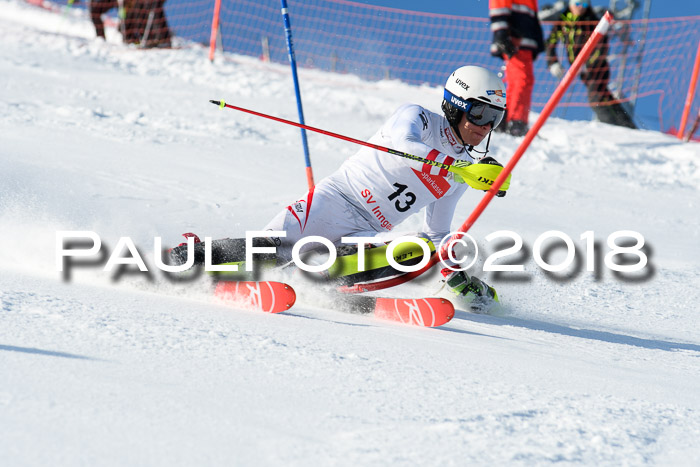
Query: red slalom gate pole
x=691, y=94
x=600, y=31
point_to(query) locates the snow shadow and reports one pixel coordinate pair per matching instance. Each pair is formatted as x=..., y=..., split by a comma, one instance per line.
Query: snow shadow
x=50, y=353
x=327, y=320
x=603, y=336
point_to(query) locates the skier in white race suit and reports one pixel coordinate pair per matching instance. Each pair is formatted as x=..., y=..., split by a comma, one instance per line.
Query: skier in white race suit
x=374, y=191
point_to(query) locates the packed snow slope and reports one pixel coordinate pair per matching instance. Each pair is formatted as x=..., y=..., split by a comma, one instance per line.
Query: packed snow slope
x=580, y=367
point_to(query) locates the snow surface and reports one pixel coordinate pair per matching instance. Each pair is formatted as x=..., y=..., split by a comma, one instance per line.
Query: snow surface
x=585, y=369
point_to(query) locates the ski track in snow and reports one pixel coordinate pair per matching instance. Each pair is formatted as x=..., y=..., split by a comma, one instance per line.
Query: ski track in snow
x=97, y=136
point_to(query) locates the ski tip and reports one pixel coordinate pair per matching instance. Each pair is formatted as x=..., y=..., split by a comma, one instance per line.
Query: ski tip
x=428, y=312
x=450, y=309
x=265, y=296
x=290, y=295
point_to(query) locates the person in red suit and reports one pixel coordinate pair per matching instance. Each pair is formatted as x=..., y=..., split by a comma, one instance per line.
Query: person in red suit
x=518, y=39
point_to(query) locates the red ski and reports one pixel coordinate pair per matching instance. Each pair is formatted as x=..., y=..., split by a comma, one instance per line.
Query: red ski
x=430, y=312
x=267, y=296
x=275, y=297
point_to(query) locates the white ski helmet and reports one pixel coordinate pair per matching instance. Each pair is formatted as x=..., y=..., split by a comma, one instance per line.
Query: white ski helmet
x=473, y=84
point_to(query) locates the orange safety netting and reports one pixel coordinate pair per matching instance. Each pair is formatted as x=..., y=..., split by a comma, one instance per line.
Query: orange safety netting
x=648, y=63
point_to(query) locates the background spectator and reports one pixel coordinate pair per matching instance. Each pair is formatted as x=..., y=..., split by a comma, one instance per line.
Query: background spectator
x=577, y=24
x=153, y=25
x=517, y=38
x=142, y=22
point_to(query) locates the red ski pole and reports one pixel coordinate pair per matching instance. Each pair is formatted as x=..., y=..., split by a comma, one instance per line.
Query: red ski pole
x=478, y=176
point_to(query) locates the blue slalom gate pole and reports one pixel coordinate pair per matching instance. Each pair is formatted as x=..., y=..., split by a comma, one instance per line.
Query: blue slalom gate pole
x=300, y=110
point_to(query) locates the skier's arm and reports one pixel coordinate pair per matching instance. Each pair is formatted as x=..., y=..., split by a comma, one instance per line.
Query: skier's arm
x=500, y=15
x=438, y=216
x=408, y=131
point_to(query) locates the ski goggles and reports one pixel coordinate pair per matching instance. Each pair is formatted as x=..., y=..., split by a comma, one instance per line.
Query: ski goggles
x=478, y=113
x=581, y=4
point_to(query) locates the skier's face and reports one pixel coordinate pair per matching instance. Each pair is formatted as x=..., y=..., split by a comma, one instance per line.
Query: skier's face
x=471, y=133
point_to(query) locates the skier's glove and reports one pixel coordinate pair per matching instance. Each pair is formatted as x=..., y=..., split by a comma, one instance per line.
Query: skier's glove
x=556, y=70
x=504, y=43
x=492, y=161
x=489, y=160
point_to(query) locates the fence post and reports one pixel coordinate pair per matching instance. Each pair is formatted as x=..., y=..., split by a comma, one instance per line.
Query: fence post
x=214, y=29
x=691, y=94
x=265, y=57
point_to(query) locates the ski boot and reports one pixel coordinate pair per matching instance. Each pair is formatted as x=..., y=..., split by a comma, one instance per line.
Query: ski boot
x=478, y=296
